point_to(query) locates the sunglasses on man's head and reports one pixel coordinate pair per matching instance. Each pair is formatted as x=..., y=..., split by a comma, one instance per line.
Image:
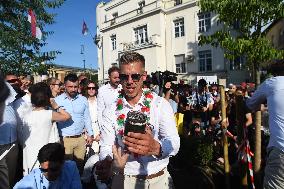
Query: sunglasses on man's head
x=135, y=77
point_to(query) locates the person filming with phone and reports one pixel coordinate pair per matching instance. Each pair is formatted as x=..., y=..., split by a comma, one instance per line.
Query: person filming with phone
x=143, y=125
x=202, y=102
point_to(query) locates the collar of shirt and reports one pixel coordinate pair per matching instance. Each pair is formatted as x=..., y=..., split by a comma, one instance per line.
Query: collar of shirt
x=129, y=106
x=67, y=97
x=119, y=87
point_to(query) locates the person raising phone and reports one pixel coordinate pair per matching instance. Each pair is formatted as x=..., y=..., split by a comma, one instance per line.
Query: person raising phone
x=150, y=150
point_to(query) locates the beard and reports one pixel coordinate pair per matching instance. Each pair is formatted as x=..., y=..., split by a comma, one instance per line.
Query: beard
x=72, y=94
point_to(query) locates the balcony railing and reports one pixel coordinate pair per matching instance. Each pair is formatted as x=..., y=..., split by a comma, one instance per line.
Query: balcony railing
x=137, y=44
x=131, y=14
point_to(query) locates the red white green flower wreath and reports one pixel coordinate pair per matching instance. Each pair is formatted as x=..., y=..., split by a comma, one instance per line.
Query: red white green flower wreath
x=148, y=97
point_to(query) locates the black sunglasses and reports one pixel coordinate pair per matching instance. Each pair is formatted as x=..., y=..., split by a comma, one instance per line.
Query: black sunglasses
x=59, y=84
x=135, y=77
x=93, y=88
x=12, y=80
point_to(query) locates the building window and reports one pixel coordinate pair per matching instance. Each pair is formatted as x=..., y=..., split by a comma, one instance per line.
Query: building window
x=178, y=2
x=205, y=61
x=141, y=35
x=113, y=42
x=141, y=4
x=180, y=63
x=204, y=20
x=237, y=63
x=179, y=27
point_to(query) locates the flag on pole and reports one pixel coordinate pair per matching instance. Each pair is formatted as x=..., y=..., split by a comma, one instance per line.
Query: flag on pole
x=85, y=28
x=36, y=32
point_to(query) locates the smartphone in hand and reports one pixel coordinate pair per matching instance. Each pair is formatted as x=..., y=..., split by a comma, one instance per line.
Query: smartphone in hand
x=135, y=122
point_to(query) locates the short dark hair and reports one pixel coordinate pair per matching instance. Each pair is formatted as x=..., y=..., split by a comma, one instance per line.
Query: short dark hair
x=130, y=57
x=113, y=69
x=277, y=69
x=71, y=77
x=4, y=90
x=202, y=83
x=41, y=94
x=51, y=152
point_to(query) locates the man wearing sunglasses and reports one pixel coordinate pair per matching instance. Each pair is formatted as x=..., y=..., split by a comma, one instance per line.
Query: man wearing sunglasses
x=149, y=151
x=107, y=93
x=54, y=172
x=14, y=81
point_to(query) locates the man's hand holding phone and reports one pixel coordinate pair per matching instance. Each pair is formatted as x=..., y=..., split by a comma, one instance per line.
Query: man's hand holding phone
x=142, y=143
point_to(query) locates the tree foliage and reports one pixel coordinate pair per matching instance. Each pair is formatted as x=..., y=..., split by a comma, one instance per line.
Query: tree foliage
x=19, y=51
x=248, y=19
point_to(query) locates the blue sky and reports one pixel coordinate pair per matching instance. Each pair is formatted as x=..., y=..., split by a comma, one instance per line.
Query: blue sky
x=68, y=37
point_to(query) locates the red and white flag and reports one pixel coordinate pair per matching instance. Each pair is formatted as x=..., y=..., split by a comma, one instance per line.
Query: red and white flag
x=36, y=32
x=85, y=28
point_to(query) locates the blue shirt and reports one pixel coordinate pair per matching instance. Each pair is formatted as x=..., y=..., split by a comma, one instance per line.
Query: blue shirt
x=68, y=179
x=8, y=128
x=78, y=108
x=272, y=90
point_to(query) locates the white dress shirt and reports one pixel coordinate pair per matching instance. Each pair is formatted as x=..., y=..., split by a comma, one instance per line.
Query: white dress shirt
x=94, y=118
x=22, y=107
x=106, y=97
x=164, y=131
x=272, y=90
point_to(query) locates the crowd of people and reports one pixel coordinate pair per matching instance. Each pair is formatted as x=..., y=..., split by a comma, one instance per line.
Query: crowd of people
x=72, y=133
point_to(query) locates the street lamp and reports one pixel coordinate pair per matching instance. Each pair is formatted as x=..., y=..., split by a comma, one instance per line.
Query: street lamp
x=83, y=54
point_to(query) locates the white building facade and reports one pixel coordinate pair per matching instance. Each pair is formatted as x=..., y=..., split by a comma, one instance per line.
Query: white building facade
x=166, y=33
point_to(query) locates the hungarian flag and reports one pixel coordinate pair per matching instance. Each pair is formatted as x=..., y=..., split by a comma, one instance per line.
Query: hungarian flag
x=36, y=32
x=84, y=29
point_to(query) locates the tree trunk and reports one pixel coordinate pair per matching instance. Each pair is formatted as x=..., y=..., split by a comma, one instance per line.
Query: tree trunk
x=225, y=139
x=257, y=150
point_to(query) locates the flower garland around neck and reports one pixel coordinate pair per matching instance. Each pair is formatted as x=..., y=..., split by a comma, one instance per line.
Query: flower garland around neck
x=148, y=97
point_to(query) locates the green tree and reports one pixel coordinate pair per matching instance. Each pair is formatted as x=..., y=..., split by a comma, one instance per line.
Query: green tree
x=247, y=18
x=19, y=51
